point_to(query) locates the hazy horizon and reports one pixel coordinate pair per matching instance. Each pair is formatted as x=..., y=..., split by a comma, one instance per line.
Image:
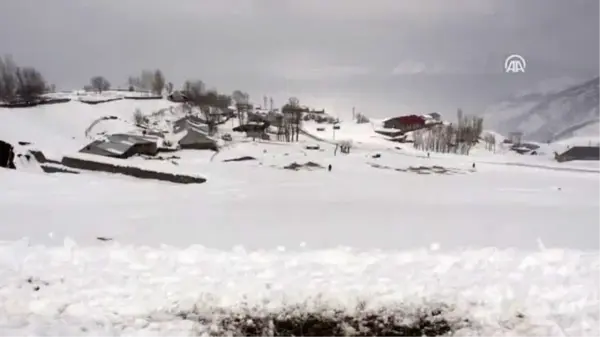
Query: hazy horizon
x=382, y=57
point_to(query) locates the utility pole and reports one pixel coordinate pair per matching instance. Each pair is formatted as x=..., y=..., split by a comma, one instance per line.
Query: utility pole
x=333, y=127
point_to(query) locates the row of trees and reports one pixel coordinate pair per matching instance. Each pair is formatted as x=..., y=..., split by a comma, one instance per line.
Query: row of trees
x=453, y=138
x=23, y=84
x=151, y=81
x=213, y=105
x=291, y=120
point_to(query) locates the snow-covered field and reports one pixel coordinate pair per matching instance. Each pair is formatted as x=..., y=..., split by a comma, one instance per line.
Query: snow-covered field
x=513, y=249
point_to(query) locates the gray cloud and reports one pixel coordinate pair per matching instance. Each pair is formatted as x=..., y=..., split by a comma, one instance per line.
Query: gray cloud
x=383, y=56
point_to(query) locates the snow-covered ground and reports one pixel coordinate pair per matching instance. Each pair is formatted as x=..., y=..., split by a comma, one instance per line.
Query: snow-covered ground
x=512, y=248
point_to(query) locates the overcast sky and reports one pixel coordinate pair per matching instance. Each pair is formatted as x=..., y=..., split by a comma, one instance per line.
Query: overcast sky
x=382, y=56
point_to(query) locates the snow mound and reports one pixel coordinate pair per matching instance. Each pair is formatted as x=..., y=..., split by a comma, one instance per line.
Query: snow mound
x=113, y=289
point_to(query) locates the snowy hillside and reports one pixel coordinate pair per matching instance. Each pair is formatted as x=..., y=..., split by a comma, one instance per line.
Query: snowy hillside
x=63, y=126
x=589, y=128
x=389, y=238
x=549, y=115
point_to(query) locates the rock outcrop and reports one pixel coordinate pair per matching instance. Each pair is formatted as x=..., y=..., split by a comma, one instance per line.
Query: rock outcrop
x=7, y=155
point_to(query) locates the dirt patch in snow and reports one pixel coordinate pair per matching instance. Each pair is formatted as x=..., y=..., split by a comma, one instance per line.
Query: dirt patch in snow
x=99, y=101
x=299, y=321
x=435, y=169
x=308, y=165
x=244, y=158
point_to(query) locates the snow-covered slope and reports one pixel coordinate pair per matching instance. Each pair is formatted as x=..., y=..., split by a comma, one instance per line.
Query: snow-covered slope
x=511, y=246
x=63, y=126
x=549, y=115
x=589, y=129
x=362, y=135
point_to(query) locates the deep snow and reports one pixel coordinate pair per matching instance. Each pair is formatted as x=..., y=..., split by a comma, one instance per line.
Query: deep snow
x=497, y=242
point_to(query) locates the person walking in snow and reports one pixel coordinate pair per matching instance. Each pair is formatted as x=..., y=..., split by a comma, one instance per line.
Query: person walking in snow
x=329, y=168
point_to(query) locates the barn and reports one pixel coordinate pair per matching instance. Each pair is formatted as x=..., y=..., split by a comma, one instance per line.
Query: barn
x=579, y=153
x=405, y=123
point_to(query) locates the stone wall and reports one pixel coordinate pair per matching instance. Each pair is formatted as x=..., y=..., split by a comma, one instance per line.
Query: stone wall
x=144, y=97
x=89, y=165
x=34, y=103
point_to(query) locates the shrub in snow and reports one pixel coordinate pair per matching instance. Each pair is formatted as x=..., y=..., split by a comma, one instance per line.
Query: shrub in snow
x=362, y=119
x=344, y=146
x=99, y=84
x=138, y=117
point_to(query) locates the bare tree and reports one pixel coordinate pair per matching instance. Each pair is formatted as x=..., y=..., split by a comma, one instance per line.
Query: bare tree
x=490, y=142
x=292, y=118
x=3, y=90
x=134, y=83
x=99, y=84
x=31, y=84
x=240, y=97
x=194, y=90
x=138, y=117
x=361, y=118
x=344, y=146
x=158, y=83
x=8, y=79
x=242, y=104
x=145, y=81
x=169, y=87
x=450, y=138
x=212, y=105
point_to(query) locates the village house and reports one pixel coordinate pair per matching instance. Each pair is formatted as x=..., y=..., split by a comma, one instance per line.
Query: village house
x=579, y=153
x=406, y=123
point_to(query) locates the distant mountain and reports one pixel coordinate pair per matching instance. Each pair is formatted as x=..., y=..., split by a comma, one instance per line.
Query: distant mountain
x=550, y=114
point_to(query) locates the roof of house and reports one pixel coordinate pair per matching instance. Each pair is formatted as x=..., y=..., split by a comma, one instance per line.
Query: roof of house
x=582, y=152
x=409, y=119
x=527, y=146
x=116, y=144
x=193, y=136
x=106, y=148
x=133, y=139
x=187, y=122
